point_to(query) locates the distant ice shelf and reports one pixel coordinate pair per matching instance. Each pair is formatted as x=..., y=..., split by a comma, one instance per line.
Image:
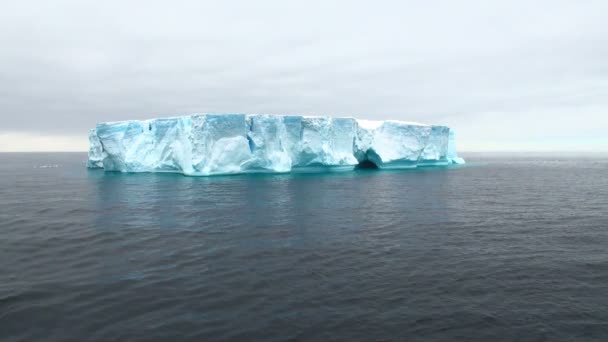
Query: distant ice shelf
x=217, y=144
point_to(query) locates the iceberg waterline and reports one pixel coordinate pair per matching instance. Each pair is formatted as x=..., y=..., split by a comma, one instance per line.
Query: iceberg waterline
x=214, y=144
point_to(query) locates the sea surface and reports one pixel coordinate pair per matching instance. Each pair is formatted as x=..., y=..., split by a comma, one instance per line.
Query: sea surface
x=510, y=247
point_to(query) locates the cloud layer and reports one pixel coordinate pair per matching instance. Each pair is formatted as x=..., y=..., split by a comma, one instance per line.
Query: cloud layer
x=506, y=75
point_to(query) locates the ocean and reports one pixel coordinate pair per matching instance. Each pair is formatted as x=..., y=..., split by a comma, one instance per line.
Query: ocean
x=510, y=247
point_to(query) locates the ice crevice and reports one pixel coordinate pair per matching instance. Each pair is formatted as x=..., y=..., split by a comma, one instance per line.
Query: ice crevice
x=214, y=144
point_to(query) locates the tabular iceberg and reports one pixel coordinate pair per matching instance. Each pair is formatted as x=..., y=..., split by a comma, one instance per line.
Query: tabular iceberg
x=214, y=144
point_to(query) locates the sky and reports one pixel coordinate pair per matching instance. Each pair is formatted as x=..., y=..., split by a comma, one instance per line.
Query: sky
x=506, y=75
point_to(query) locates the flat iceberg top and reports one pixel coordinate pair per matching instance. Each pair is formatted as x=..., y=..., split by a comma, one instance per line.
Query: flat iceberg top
x=212, y=144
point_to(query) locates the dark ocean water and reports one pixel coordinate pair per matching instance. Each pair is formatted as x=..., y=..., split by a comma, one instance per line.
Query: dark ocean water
x=509, y=247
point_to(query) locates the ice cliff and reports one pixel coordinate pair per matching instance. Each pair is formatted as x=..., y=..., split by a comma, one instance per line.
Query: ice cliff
x=212, y=144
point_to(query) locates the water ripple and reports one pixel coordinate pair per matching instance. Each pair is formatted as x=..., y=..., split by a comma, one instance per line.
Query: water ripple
x=506, y=249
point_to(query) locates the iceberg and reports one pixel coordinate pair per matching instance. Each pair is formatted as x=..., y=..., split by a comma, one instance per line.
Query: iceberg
x=217, y=144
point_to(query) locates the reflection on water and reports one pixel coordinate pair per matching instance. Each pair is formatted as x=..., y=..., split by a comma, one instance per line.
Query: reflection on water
x=261, y=213
x=169, y=201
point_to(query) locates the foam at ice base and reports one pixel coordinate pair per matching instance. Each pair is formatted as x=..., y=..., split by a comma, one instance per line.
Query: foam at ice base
x=213, y=144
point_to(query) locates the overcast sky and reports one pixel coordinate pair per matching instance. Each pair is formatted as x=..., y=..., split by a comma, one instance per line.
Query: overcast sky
x=507, y=75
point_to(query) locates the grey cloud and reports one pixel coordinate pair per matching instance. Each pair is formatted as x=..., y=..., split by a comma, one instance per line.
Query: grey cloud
x=493, y=70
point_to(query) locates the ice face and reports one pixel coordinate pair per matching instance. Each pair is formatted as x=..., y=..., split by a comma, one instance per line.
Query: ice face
x=211, y=144
x=452, y=155
x=267, y=138
x=326, y=142
x=436, y=149
x=96, y=154
x=397, y=145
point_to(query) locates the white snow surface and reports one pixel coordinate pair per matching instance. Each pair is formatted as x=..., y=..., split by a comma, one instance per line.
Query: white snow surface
x=215, y=144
